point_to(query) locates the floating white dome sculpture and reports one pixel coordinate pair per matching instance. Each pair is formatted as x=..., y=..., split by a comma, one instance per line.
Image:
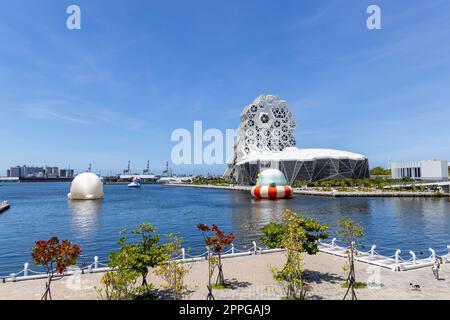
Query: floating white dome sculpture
x=272, y=177
x=86, y=186
x=271, y=184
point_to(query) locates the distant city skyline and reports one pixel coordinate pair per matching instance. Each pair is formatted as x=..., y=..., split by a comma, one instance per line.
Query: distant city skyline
x=134, y=169
x=117, y=88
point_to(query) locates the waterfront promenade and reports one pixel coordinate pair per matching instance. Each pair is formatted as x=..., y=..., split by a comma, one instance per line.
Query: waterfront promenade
x=318, y=193
x=252, y=279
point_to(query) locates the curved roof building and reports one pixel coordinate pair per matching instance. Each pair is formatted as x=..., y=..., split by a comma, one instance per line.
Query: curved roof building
x=266, y=140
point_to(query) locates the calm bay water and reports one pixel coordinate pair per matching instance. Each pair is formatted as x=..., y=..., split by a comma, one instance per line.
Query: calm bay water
x=41, y=210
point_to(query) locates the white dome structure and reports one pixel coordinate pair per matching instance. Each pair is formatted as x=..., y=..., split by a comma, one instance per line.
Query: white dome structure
x=86, y=186
x=272, y=177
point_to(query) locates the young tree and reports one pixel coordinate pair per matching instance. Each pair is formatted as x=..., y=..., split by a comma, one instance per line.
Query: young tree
x=173, y=271
x=273, y=233
x=350, y=232
x=135, y=258
x=55, y=257
x=120, y=285
x=217, y=240
x=296, y=235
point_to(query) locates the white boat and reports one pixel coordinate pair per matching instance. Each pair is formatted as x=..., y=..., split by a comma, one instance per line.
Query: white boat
x=136, y=183
x=4, y=206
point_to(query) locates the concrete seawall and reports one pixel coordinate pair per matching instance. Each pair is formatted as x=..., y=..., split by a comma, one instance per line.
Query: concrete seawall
x=210, y=186
x=392, y=194
x=399, y=194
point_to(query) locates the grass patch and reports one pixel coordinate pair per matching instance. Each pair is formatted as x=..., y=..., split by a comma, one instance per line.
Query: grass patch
x=292, y=299
x=222, y=286
x=358, y=285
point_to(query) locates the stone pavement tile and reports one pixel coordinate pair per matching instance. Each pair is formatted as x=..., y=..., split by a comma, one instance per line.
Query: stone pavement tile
x=253, y=280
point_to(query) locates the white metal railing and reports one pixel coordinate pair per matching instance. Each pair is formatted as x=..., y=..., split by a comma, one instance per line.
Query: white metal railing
x=332, y=248
x=101, y=266
x=394, y=262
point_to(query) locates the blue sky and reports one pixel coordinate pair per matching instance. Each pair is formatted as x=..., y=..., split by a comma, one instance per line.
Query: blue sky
x=116, y=89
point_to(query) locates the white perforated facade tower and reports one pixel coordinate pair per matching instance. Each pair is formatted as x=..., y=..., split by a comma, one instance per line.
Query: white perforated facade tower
x=266, y=140
x=266, y=124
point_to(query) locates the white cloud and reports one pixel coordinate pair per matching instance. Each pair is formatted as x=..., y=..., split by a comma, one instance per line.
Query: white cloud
x=79, y=112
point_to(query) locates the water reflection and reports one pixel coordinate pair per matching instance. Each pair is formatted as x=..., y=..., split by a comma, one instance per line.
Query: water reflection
x=248, y=215
x=85, y=216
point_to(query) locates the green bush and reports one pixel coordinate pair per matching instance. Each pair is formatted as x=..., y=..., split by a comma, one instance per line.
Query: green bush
x=298, y=235
x=217, y=181
x=139, y=250
x=274, y=232
x=380, y=171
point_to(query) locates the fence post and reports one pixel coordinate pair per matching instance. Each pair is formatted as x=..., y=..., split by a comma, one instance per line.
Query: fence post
x=13, y=277
x=25, y=269
x=397, y=255
x=372, y=251
x=255, y=249
x=208, y=252
x=413, y=257
x=183, y=253
x=232, y=248
x=95, y=262
x=333, y=243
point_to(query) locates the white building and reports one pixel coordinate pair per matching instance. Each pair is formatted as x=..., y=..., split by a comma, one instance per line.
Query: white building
x=266, y=139
x=421, y=170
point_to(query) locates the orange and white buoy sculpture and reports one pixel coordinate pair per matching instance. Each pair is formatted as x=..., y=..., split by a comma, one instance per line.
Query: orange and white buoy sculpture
x=272, y=184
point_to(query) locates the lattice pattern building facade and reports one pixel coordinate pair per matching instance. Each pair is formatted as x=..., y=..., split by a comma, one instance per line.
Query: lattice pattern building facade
x=266, y=139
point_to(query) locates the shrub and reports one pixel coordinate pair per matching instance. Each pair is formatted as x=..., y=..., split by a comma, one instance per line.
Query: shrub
x=173, y=271
x=273, y=233
x=132, y=262
x=290, y=276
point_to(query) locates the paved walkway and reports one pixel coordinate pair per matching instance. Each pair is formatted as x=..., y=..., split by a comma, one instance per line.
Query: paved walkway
x=252, y=279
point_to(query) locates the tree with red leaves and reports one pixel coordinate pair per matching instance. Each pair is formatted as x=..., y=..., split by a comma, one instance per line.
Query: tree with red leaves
x=217, y=240
x=55, y=257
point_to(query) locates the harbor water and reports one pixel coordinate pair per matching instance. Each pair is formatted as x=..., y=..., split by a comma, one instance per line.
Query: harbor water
x=41, y=210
